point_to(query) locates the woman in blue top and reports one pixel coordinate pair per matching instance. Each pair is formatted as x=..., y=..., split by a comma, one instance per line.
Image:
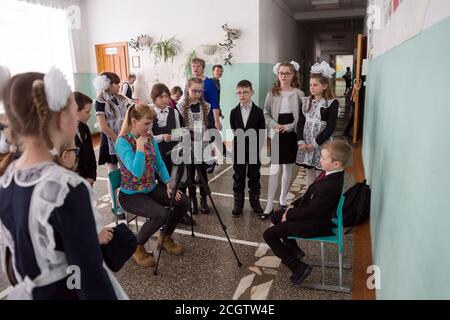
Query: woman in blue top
x=140, y=194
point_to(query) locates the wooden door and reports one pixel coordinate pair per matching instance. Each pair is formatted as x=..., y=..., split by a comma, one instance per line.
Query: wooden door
x=113, y=57
x=361, y=54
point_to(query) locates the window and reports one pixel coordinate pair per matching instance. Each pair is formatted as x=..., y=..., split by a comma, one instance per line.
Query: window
x=34, y=38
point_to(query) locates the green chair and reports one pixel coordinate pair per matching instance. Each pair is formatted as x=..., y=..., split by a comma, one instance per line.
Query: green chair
x=336, y=239
x=114, y=179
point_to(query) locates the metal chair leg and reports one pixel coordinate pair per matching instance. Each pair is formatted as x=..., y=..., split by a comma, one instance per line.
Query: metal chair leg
x=340, y=271
x=137, y=225
x=126, y=219
x=322, y=251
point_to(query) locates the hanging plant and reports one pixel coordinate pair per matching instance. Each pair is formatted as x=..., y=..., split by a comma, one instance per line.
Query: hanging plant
x=228, y=45
x=139, y=44
x=187, y=66
x=165, y=49
x=209, y=49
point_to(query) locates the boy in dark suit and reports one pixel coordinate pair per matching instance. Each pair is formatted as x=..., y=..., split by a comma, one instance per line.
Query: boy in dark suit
x=87, y=165
x=310, y=216
x=246, y=119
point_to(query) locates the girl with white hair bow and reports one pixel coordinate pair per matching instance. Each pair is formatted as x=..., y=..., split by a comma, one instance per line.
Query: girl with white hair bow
x=281, y=111
x=317, y=120
x=47, y=222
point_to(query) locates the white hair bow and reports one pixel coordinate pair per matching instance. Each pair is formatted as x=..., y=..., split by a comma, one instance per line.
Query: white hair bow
x=296, y=65
x=276, y=68
x=101, y=83
x=324, y=69
x=57, y=90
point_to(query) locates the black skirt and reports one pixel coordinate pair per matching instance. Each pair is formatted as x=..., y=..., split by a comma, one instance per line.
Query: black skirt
x=288, y=142
x=104, y=156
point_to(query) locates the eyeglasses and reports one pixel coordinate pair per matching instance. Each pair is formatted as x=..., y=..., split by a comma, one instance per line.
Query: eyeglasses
x=283, y=74
x=243, y=93
x=76, y=150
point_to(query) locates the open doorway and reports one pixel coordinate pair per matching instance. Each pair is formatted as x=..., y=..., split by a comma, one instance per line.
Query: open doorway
x=344, y=74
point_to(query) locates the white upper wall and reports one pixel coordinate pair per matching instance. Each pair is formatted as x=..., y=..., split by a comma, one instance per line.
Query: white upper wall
x=281, y=38
x=107, y=21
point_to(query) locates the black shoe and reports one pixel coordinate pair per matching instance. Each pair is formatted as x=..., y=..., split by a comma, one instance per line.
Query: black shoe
x=204, y=206
x=194, y=206
x=255, y=204
x=211, y=167
x=187, y=220
x=266, y=216
x=302, y=272
x=237, y=211
x=282, y=208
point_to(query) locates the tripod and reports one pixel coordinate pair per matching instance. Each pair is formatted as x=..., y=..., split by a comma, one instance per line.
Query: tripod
x=190, y=181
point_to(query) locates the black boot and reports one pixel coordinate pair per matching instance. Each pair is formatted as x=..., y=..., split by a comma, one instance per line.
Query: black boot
x=204, y=205
x=294, y=248
x=300, y=270
x=238, y=204
x=254, y=203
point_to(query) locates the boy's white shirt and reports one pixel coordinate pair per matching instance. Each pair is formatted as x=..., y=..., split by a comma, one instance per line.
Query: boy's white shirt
x=333, y=171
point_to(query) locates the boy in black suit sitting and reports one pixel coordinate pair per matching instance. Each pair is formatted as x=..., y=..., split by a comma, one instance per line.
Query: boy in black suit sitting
x=87, y=164
x=246, y=118
x=310, y=216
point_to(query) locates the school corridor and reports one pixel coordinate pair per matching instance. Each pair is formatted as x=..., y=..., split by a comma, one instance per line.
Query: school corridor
x=390, y=63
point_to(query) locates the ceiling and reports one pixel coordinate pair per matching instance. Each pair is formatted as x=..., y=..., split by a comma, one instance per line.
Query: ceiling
x=307, y=5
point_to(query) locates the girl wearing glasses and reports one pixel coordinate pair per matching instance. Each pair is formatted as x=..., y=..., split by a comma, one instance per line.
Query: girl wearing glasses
x=195, y=111
x=281, y=112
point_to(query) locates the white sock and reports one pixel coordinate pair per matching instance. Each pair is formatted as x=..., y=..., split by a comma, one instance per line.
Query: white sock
x=285, y=183
x=311, y=176
x=272, y=187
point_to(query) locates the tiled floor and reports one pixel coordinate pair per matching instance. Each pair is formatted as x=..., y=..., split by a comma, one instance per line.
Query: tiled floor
x=208, y=269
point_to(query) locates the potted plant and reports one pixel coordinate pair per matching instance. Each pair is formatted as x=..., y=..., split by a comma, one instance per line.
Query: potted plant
x=166, y=49
x=230, y=35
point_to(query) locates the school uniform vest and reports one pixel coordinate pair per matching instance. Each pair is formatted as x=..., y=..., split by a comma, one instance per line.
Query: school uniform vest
x=165, y=147
x=129, y=93
x=148, y=180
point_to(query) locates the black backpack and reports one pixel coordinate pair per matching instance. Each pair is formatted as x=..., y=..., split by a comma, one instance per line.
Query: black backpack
x=357, y=205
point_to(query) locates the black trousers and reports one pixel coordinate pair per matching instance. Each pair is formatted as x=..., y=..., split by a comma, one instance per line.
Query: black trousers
x=152, y=206
x=277, y=236
x=202, y=170
x=250, y=171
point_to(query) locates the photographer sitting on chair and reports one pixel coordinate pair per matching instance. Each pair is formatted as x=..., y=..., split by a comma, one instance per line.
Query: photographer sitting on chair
x=140, y=161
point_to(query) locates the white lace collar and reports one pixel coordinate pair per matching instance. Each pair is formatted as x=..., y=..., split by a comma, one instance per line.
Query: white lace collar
x=27, y=177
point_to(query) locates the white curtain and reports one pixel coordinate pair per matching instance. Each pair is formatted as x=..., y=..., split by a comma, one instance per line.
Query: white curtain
x=35, y=37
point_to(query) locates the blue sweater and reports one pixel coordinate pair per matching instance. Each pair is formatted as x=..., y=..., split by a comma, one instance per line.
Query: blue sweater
x=134, y=161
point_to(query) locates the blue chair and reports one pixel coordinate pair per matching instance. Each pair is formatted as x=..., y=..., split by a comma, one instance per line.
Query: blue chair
x=336, y=239
x=114, y=179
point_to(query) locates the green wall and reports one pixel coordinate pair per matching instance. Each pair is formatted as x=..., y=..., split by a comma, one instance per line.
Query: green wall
x=83, y=83
x=406, y=156
x=260, y=75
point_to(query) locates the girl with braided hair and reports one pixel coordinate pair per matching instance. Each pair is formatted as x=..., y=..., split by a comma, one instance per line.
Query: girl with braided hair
x=195, y=110
x=47, y=221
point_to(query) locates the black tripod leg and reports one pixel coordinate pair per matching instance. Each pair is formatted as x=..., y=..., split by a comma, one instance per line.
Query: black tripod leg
x=224, y=228
x=172, y=200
